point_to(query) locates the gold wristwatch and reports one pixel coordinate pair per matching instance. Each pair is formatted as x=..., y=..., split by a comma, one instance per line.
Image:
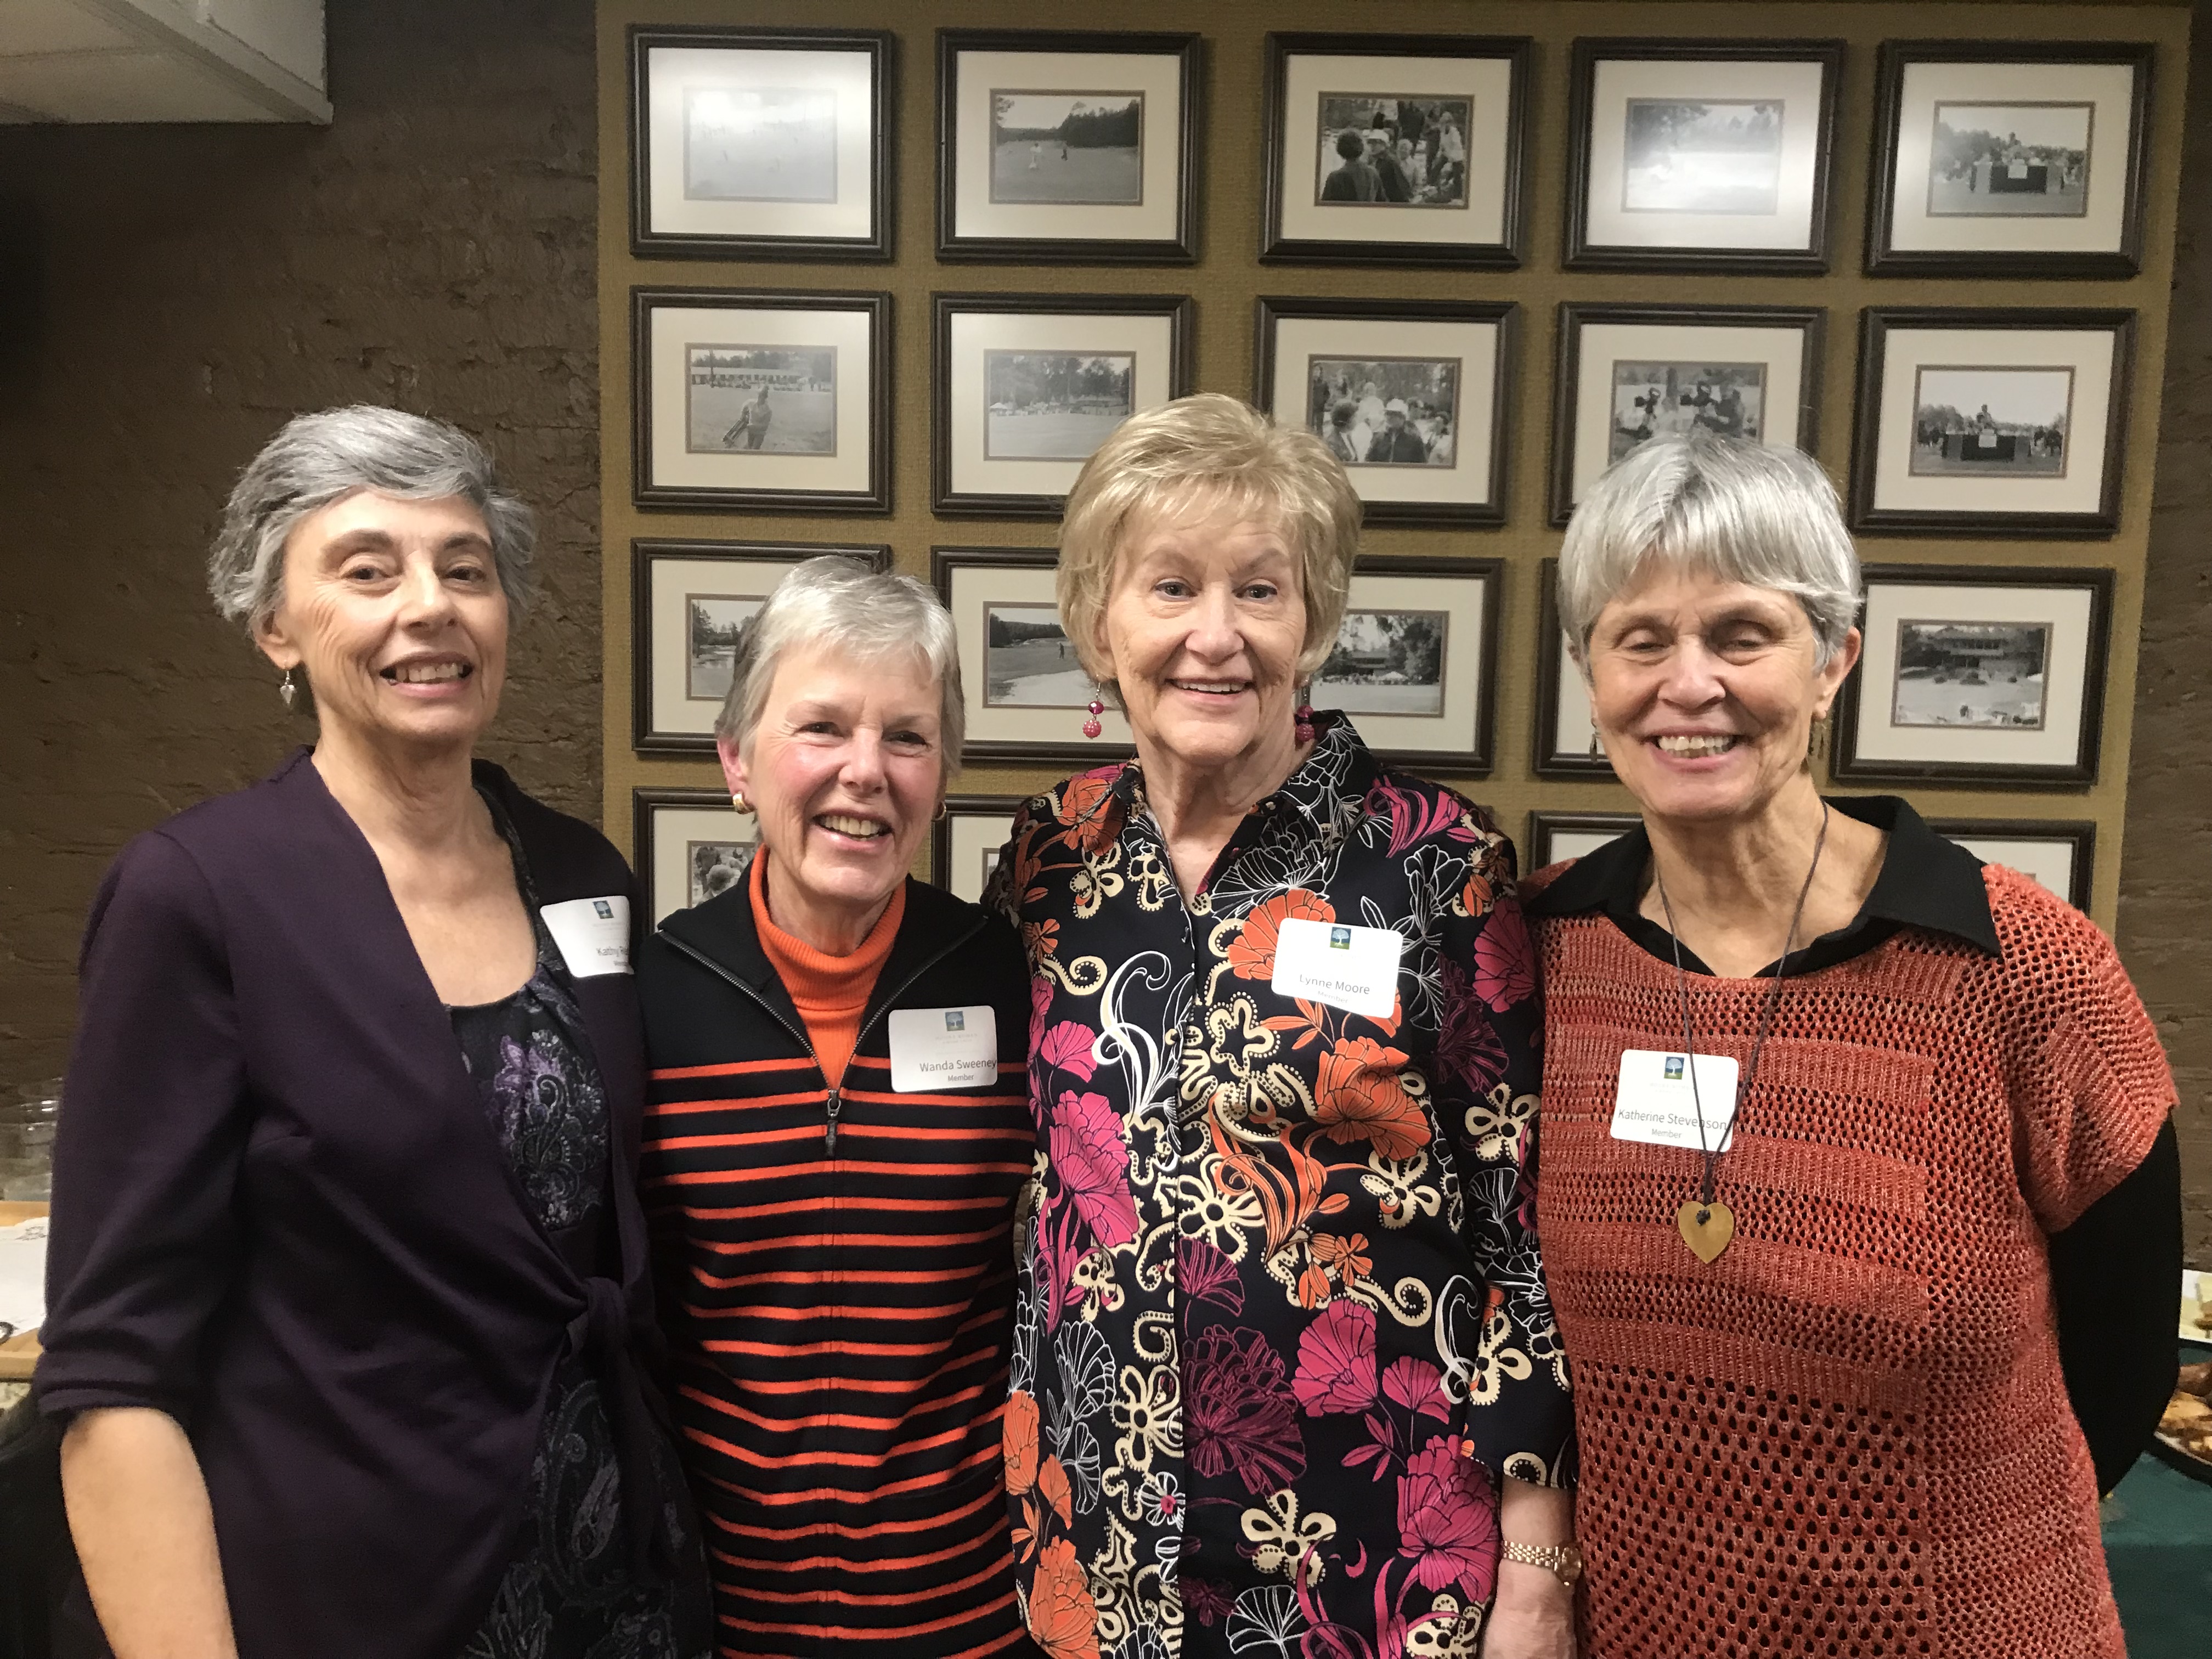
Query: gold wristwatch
x=1562, y=1561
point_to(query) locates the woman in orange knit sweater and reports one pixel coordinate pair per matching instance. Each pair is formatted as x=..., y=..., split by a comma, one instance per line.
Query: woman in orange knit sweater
x=1865, y=1302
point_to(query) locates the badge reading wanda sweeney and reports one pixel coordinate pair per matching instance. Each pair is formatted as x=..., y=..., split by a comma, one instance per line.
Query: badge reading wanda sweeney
x=936, y=1048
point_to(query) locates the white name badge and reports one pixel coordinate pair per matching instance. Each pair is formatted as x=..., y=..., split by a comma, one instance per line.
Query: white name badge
x=943, y=1048
x=1656, y=1103
x=1354, y=968
x=593, y=933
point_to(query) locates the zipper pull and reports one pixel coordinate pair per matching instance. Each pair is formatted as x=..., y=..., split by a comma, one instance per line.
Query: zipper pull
x=832, y=1103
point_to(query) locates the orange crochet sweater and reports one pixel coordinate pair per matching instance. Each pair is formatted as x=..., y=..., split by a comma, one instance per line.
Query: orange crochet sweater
x=1850, y=1433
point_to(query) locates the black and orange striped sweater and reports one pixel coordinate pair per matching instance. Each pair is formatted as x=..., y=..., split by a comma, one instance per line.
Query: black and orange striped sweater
x=836, y=1270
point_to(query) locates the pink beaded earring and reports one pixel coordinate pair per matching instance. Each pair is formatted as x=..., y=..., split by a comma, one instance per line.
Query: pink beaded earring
x=1305, y=729
x=1092, y=728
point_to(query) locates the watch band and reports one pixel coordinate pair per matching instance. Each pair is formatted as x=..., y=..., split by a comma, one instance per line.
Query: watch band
x=1562, y=1561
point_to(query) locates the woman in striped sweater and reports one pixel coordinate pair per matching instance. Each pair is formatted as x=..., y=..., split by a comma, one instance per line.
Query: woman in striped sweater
x=835, y=1132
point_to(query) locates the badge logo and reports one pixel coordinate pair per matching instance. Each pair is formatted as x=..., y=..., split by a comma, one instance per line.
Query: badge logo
x=601, y=909
x=955, y=1019
x=1339, y=939
x=1673, y=1068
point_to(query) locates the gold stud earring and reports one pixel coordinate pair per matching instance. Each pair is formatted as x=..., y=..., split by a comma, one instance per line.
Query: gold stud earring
x=743, y=806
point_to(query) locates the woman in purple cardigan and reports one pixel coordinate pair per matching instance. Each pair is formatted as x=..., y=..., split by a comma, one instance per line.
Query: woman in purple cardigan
x=348, y=1294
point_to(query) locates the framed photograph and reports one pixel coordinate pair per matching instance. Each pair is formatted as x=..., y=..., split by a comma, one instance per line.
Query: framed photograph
x=1410, y=394
x=1629, y=373
x=1556, y=836
x=1701, y=154
x=965, y=843
x=2059, y=854
x=1415, y=662
x=1393, y=149
x=760, y=144
x=1027, y=693
x=1977, y=674
x=2009, y=158
x=1566, y=740
x=760, y=402
x=1067, y=147
x=1990, y=423
x=1027, y=385
x=688, y=602
x=687, y=845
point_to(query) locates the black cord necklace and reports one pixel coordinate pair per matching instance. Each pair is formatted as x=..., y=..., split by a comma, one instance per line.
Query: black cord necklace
x=1706, y=1224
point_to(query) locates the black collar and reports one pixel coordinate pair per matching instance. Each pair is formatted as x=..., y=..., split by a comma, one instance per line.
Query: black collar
x=1926, y=881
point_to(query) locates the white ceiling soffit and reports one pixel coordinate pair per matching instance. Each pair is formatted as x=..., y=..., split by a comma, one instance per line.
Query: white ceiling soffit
x=162, y=60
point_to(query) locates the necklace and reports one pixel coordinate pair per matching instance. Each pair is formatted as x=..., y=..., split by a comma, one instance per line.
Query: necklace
x=1706, y=1224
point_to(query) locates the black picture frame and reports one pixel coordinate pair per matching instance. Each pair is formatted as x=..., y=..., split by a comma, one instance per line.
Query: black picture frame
x=1543, y=826
x=1847, y=765
x=2081, y=834
x=1270, y=310
x=1552, y=662
x=1884, y=258
x=1579, y=253
x=1179, y=311
x=1181, y=248
x=1480, y=757
x=881, y=47
x=643, y=803
x=1074, y=748
x=940, y=832
x=875, y=497
x=1875, y=324
x=648, y=553
x=1505, y=254
x=1576, y=315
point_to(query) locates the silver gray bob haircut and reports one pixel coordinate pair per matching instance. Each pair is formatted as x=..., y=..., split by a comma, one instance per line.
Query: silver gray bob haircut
x=867, y=615
x=1738, y=510
x=319, y=459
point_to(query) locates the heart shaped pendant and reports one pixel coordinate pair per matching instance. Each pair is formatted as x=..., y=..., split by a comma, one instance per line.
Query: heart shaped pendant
x=1706, y=1228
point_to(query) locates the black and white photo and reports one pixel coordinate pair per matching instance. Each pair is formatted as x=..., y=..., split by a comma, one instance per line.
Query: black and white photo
x=1375, y=148
x=760, y=144
x=1970, y=673
x=1386, y=662
x=1069, y=148
x=1028, y=662
x=711, y=868
x=688, y=846
x=778, y=398
x=1054, y=406
x=714, y=620
x=1385, y=411
x=1976, y=422
x=1697, y=156
x=2010, y=160
x=1026, y=694
x=1668, y=399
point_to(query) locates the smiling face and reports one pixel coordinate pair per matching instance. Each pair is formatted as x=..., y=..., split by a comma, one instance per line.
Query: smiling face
x=845, y=769
x=1705, y=692
x=1203, y=627
x=393, y=610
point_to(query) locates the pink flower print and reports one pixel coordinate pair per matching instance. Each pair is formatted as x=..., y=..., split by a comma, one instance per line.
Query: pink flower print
x=1467, y=1047
x=1448, y=1520
x=1205, y=1600
x=1505, y=966
x=1093, y=1162
x=1238, y=1413
x=1418, y=1386
x=1040, y=1009
x=1336, y=1360
x=1067, y=1048
x=1204, y=1274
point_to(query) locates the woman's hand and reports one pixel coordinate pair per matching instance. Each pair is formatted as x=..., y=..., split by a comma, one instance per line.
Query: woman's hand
x=1533, y=1618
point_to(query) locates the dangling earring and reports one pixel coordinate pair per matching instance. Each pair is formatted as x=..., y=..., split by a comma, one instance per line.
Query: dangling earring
x=1304, y=728
x=1597, y=747
x=1092, y=728
x=288, y=690
x=1816, y=744
x=745, y=807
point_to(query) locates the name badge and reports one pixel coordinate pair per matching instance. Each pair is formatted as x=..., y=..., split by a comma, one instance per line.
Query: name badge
x=593, y=933
x=1654, y=1103
x=936, y=1048
x=1354, y=968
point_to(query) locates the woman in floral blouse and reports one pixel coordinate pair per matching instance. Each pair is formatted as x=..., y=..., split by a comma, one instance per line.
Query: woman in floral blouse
x=1283, y=1353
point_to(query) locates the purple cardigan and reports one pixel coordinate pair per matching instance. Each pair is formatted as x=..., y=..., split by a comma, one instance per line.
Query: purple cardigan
x=281, y=1216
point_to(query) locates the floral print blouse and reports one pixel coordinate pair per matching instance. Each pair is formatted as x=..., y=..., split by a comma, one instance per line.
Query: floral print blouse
x=1283, y=1322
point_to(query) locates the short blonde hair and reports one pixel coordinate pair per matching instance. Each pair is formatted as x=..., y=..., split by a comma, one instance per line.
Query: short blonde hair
x=1214, y=453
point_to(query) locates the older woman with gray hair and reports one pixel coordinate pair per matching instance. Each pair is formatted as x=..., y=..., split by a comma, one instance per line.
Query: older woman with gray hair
x=348, y=1285
x=1860, y=1206
x=835, y=1135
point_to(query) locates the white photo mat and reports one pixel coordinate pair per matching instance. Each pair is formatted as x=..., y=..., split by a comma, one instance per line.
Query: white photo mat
x=1796, y=85
x=2048, y=861
x=672, y=583
x=1573, y=728
x=974, y=589
x=1563, y=844
x=675, y=833
x=2109, y=88
x=1456, y=730
x=973, y=841
x=1156, y=76
x=675, y=76
x=1151, y=340
x=1481, y=223
x=2066, y=611
x=673, y=330
x=1474, y=346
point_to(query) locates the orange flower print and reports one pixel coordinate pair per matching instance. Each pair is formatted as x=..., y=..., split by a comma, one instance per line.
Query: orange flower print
x=1018, y=1432
x=1359, y=1098
x=1053, y=1487
x=1084, y=808
x=1063, y=1621
x=1252, y=953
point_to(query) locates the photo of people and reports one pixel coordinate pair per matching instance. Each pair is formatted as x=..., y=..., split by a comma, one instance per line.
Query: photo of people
x=1028, y=662
x=1662, y=399
x=1385, y=662
x=760, y=144
x=1970, y=673
x=713, y=867
x=1389, y=411
x=1973, y=423
x=778, y=399
x=1054, y=406
x=2010, y=160
x=1380, y=151
x=1079, y=148
x=1688, y=156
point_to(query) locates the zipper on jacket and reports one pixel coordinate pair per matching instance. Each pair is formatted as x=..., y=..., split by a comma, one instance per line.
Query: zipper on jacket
x=829, y=1108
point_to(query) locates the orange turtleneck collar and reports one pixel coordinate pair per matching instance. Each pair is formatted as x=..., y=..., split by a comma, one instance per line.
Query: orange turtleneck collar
x=831, y=993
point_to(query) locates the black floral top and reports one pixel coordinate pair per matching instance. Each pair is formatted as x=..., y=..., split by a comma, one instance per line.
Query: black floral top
x=1283, y=1321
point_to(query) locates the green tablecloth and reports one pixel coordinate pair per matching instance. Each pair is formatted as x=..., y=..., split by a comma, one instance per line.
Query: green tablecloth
x=2158, y=1544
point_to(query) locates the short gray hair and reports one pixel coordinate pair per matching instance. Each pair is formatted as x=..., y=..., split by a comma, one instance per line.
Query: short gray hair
x=1741, y=511
x=317, y=460
x=868, y=615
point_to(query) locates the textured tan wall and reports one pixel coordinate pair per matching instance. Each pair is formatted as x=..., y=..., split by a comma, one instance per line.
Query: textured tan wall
x=170, y=295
